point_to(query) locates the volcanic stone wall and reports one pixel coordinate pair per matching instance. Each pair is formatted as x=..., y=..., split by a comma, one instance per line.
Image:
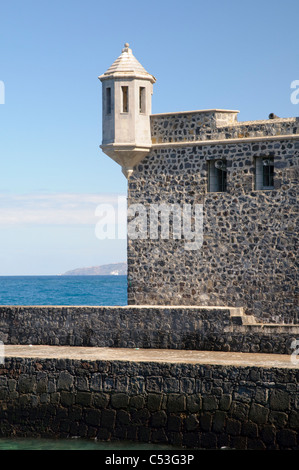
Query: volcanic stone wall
x=198, y=328
x=215, y=125
x=195, y=406
x=250, y=237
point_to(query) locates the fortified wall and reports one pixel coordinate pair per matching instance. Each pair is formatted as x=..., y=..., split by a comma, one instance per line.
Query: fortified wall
x=206, y=353
x=248, y=256
x=177, y=401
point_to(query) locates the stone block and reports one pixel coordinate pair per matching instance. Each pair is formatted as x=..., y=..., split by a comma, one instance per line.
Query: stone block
x=205, y=421
x=82, y=384
x=83, y=398
x=209, y=403
x=233, y=427
x=287, y=438
x=191, y=439
x=132, y=432
x=194, y=403
x=154, y=401
x=75, y=413
x=27, y=384
x=103, y=434
x=258, y=414
x=250, y=429
x=268, y=434
x=208, y=441
x=96, y=382
x=108, y=418
x=294, y=420
x=159, y=436
x=159, y=419
x=278, y=418
x=123, y=417
x=93, y=417
x=154, y=384
x=101, y=400
x=137, y=402
x=65, y=381
x=174, y=423
x=279, y=400
x=176, y=403
x=225, y=402
x=191, y=423
x=119, y=400
x=140, y=417
x=219, y=420
x=239, y=410
x=144, y=433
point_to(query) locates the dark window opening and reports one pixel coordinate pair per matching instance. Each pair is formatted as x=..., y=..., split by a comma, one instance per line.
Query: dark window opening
x=125, y=99
x=142, y=99
x=264, y=173
x=268, y=173
x=108, y=100
x=217, y=176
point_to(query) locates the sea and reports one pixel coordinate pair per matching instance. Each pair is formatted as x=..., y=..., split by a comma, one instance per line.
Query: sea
x=63, y=290
x=66, y=290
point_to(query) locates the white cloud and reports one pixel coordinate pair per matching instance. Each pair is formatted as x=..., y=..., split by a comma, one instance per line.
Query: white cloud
x=54, y=209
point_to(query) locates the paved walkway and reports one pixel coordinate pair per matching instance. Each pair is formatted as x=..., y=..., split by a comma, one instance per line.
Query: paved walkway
x=152, y=355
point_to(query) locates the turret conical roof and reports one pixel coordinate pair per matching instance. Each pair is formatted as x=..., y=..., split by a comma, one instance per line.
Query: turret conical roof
x=126, y=65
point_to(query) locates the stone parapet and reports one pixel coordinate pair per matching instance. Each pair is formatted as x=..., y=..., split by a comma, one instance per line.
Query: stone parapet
x=156, y=327
x=205, y=406
x=216, y=125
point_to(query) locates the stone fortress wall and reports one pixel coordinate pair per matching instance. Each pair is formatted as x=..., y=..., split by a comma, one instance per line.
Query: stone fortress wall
x=149, y=327
x=181, y=405
x=250, y=237
x=195, y=313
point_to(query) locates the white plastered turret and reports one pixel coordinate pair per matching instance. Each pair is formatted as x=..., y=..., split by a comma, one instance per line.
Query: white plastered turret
x=127, y=90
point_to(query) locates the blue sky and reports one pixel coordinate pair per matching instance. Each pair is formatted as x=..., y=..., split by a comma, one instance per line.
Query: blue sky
x=220, y=54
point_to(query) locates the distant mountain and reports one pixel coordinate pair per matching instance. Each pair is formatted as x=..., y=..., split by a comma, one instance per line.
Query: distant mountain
x=116, y=269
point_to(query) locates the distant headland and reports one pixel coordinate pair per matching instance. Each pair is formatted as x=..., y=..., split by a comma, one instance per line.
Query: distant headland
x=114, y=269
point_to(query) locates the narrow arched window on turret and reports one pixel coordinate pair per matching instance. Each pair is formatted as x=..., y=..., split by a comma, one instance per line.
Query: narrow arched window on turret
x=108, y=100
x=125, y=99
x=142, y=109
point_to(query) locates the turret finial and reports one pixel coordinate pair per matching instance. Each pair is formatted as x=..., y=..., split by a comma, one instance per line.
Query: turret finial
x=126, y=47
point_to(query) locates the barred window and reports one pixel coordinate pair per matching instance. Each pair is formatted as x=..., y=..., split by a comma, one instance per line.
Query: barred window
x=264, y=173
x=217, y=176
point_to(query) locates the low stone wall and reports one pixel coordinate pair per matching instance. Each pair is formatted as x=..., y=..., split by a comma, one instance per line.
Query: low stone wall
x=198, y=328
x=185, y=405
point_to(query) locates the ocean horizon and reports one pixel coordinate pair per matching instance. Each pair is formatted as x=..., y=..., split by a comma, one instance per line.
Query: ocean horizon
x=64, y=290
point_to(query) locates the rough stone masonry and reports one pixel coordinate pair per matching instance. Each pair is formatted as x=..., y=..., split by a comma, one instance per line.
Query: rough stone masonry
x=237, y=292
x=185, y=405
x=244, y=175
x=250, y=236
